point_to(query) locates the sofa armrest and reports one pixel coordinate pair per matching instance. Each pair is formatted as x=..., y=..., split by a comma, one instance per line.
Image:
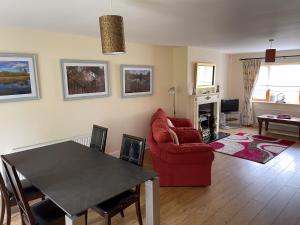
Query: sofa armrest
x=187, y=135
x=181, y=122
x=192, y=153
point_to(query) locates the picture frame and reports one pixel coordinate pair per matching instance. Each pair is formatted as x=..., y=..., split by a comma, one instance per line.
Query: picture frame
x=18, y=77
x=136, y=80
x=83, y=79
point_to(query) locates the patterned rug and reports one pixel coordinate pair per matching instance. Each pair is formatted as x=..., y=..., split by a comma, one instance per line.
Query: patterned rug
x=256, y=148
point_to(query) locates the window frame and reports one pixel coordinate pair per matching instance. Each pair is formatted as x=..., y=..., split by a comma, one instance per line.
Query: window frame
x=268, y=65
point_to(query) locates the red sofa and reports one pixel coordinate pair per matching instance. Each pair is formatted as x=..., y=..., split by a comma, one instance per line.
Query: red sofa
x=185, y=164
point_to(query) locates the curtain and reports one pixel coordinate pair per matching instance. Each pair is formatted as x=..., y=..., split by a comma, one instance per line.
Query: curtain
x=250, y=72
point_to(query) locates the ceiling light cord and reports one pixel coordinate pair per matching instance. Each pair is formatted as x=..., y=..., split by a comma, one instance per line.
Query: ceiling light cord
x=271, y=42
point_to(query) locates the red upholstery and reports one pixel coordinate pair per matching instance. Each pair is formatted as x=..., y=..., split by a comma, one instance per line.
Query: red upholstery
x=186, y=164
x=181, y=122
x=186, y=135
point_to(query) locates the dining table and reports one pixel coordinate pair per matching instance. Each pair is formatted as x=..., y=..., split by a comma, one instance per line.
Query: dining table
x=76, y=178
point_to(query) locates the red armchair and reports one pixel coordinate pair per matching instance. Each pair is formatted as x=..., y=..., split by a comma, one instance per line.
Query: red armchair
x=185, y=164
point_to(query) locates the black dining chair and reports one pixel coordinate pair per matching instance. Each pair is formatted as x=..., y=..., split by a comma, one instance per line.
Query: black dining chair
x=8, y=200
x=5, y=203
x=98, y=139
x=44, y=212
x=132, y=151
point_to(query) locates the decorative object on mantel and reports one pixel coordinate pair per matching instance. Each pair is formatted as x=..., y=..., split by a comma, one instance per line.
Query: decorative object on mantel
x=270, y=53
x=18, y=77
x=136, y=80
x=218, y=88
x=172, y=92
x=112, y=34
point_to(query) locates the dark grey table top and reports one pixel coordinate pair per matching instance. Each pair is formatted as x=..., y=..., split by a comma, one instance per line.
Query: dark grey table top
x=76, y=177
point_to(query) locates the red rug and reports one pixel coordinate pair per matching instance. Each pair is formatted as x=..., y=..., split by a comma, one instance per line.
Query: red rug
x=256, y=148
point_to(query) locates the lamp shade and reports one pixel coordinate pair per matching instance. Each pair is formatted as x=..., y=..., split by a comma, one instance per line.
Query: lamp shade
x=112, y=34
x=270, y=55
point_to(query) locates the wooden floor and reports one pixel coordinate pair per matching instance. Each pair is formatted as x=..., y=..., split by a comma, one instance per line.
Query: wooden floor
x=242, y=192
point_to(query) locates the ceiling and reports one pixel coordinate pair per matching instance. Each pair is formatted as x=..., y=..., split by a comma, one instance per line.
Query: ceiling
x=229, y=26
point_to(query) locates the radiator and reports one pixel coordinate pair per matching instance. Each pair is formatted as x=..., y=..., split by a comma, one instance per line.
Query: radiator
x=83, y=139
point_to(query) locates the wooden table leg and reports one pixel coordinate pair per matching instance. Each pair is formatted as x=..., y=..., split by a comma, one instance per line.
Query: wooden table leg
x=267, y=125
x=259, y=126
x=80, y=220
x=152, y=202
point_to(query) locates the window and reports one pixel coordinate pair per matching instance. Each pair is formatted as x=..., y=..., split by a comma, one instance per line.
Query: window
x=278, y=79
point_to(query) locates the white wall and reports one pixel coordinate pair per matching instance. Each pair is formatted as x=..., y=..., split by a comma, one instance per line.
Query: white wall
x=51, y=118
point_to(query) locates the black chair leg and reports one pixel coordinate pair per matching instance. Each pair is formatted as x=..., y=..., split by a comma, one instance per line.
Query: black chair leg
x=2, y=209
x=138, y=212
x=122, y=213
x=86, y=217
x=107, y=219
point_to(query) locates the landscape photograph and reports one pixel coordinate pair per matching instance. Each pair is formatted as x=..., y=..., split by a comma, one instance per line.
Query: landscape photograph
x=85, y=79
x=14, y=78
x=137, y=81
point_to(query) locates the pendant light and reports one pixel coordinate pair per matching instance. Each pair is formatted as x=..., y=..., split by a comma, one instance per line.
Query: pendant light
x=270, y=53
x=112, y=34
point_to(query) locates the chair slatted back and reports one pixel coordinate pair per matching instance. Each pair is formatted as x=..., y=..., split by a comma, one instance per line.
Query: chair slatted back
x=18, y=192
x=5, y=203
x=133, y=149
x=98, y=140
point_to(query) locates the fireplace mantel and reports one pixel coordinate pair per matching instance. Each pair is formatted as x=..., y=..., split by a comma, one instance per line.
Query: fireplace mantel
x=202, y=99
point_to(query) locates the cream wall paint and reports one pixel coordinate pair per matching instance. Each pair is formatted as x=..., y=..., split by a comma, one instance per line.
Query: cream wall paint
x=180, y=62
x=196, y=54
x=235, y=81
x=184, y=64
x=51, y=118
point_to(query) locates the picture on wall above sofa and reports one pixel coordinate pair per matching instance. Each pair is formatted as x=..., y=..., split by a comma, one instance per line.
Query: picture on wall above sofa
x=18, y=77
x=84, y=79
x=136, y=80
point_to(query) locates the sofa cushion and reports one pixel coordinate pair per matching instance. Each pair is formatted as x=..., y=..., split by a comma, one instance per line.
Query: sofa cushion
x=169, y=122
x=192, y=153
x=181, y=122
x=159, y=114
x=160, y=131
x=187, y=135
x=174, y=137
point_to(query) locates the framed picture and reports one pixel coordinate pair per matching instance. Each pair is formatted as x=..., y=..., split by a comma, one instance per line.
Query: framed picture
x=84, y=79
x=18, y=77
x=136, y=80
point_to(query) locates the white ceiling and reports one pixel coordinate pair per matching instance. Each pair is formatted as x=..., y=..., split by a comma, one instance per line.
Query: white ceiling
x=227, y=25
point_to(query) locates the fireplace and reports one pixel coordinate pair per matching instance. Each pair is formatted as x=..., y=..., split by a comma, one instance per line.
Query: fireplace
x=206, y=116
x=206, y=121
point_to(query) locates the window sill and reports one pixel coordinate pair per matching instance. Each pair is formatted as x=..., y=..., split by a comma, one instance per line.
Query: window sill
x=274, y=103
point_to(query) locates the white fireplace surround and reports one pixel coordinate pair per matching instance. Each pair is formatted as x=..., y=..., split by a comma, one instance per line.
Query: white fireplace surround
x=201, y=99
